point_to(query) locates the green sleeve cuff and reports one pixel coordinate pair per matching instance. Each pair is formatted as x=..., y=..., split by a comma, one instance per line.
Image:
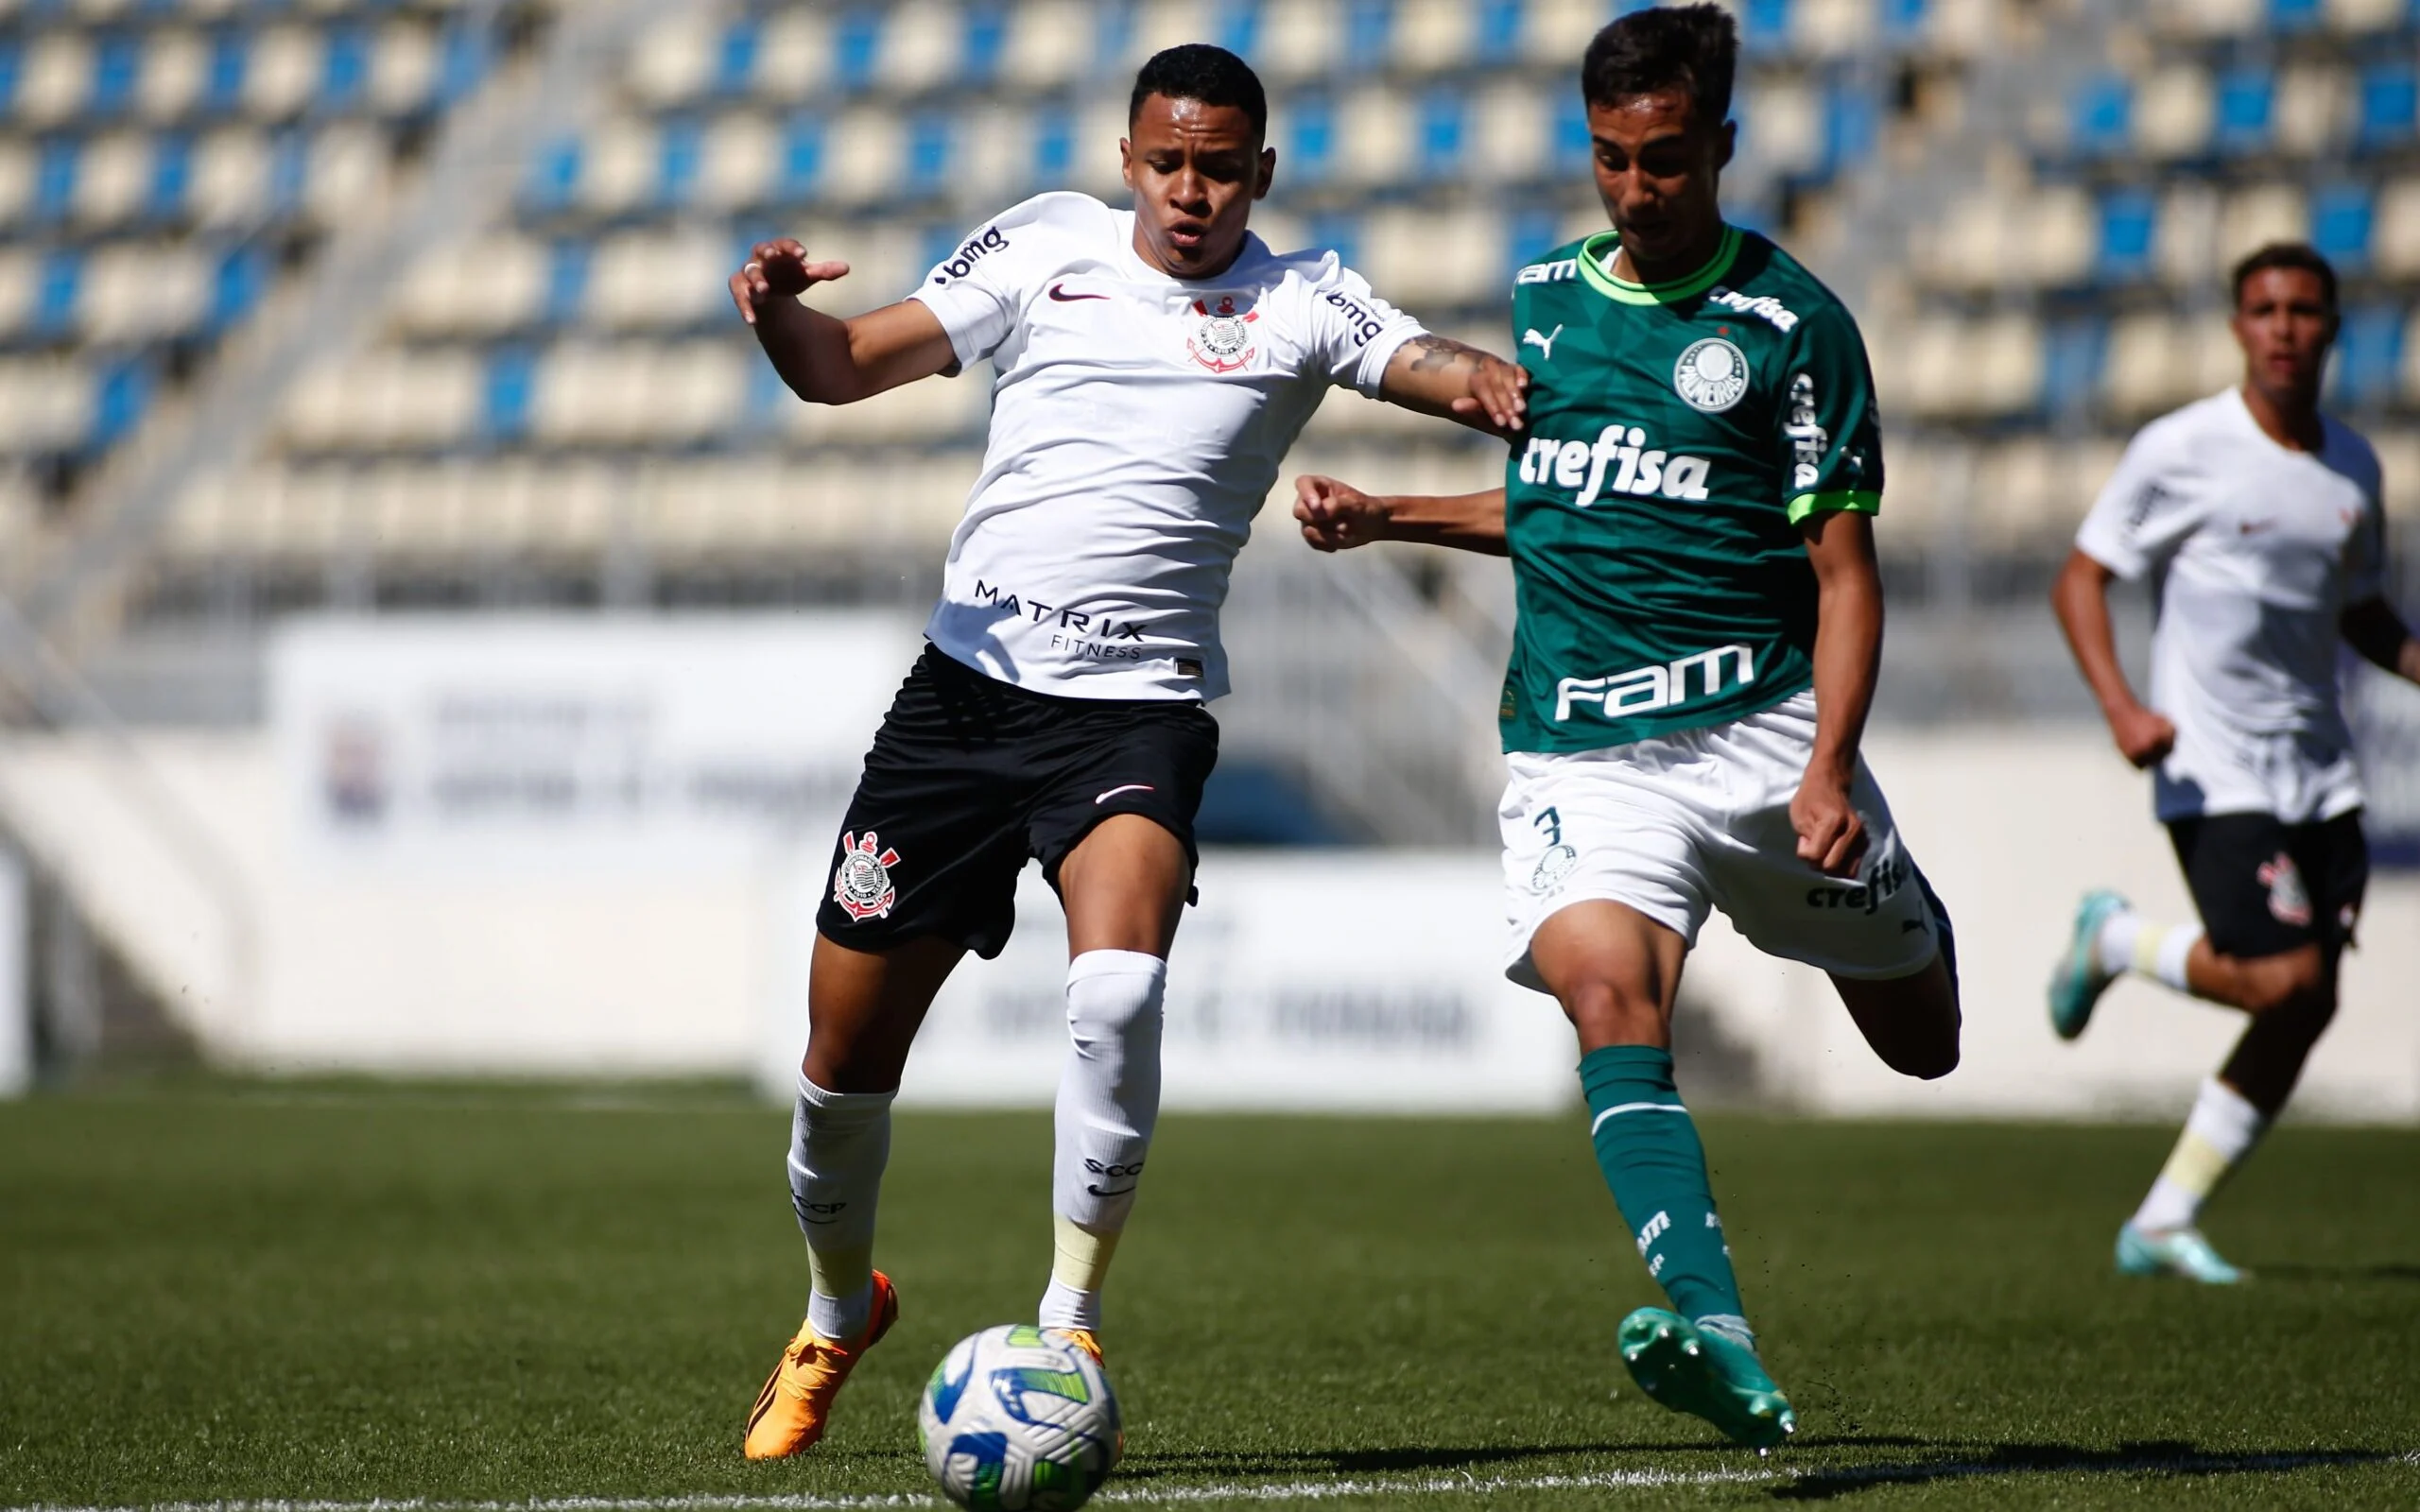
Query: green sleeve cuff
x=1853, y=501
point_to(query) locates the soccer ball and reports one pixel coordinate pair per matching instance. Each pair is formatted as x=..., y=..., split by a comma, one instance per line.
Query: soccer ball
x=1016, y=1420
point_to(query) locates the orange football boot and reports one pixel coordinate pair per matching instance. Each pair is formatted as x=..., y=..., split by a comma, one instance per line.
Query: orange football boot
x=791, y=1411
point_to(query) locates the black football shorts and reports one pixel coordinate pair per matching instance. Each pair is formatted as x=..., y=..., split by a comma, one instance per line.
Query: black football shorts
x=970, y=776
x=2265, y=888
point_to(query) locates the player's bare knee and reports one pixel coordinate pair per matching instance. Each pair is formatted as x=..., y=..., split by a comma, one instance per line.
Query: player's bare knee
x=1613, y=1013
x=2297, y=983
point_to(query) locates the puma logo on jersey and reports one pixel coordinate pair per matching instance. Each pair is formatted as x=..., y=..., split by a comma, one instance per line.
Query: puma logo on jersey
x=1561, y=272
x=1544, y=343
x=1644, y=690
x=1619, y=461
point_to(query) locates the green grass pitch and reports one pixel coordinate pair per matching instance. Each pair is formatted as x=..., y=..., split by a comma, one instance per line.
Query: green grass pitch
x=249, y=1292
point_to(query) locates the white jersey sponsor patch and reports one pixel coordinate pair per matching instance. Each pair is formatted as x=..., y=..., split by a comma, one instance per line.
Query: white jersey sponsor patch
x=1139, y=422
x=2253, y=551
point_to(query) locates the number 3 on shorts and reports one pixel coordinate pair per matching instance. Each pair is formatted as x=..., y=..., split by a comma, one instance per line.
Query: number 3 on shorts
x=1550, y=821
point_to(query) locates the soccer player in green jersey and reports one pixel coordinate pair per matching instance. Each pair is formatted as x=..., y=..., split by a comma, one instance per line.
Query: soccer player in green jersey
x=1690, y=522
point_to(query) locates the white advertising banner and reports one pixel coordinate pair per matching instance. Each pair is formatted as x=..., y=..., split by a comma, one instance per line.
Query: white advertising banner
x=627, y=745
x=1348, y=981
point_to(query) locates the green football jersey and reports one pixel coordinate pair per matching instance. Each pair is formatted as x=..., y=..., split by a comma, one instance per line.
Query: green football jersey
x=1679, y=434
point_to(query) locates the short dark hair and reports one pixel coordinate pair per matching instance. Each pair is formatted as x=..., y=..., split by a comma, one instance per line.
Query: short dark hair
x=1690, y=47
x=2302, y=256
x=1198, y=71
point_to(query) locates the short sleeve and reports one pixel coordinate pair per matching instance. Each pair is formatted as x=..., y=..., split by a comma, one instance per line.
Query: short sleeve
x=2365, y=575
x=1830, y=423
x=2145, y=512
x=979, y=290
x=1354, y=332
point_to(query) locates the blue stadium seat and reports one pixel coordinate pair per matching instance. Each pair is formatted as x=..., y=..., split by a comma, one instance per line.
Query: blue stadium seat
x=507, y=391
x=2297, y=15
x=680, y=153
x=931, y=140
x=554, y=173
x=2369, y=357
x=856, y=48
x=569, y=261
x=290, y=170
x=57, y=290
x=735, y=55
x=344, y=67
x=117, y=66
x=461, y=62
x=1763, y=25
x=802, y=165
x=1495, y=33
x=2129, y=222
x=12, y=68
x=121, y=395
x=1852, y=125
x=1903, y=20
x=2072, y=355
x=2101, y=115
x=986, y=39
x=2340, y=219
x=2246, y=101
x=222, y=86
x=1310, y=124
x=171, y=175
x=55, y=178
x=1572, y=146
x=1445, y=132
x=1368, y=26
x=2389, y=106
x=1530, y=232
x=236, y=286
x=1341, y=233
x=1054, y=143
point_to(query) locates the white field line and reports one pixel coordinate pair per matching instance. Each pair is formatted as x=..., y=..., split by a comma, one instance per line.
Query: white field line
x=1326, y=1490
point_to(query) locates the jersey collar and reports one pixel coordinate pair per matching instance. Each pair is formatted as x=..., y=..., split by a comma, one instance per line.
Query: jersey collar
x=1597, y=255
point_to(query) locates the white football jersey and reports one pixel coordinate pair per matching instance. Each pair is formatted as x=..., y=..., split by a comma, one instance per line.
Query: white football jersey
x=1139, y=422
x=2253, y=551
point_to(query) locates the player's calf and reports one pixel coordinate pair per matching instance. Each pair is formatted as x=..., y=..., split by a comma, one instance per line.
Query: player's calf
x=1911, y=1022
x=1108, y=1103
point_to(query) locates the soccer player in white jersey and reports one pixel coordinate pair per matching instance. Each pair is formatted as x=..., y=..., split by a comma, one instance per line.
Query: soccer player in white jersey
x=1154, y=366
x=2257, y=521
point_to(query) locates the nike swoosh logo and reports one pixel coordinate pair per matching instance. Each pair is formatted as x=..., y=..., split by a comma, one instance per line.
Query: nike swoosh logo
x=1130, y=787
x=1058, y=292
x=2254, y=528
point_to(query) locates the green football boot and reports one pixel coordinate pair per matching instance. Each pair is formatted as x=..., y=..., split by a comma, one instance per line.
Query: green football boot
x=1708, y=1373
x=2178, y=1252
x=2080, y=980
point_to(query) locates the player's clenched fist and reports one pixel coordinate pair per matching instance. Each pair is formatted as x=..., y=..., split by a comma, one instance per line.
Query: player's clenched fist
x=777, y=269
x=1337, y=516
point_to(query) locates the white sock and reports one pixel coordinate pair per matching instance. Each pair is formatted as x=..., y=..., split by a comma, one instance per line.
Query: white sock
x=840, y=1143
x=2130, y=943
x=1109, y=1100
x=2221, y=1131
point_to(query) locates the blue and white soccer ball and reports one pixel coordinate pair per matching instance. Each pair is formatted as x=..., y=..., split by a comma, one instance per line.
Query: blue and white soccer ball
x=1017, y=1420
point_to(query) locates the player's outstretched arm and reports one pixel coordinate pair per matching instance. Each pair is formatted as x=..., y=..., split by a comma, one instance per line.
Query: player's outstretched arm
x=2377, y=633
x=1848, y=664
x=1438, y=375
x=824, y=359
x=2081, y=599
x=1337, y=516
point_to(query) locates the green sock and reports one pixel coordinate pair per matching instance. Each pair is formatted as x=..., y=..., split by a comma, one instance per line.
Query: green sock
x=1647, y=1145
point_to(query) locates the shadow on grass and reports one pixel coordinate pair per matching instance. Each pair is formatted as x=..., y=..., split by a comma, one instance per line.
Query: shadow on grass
x=1234, y=1463
x=2154, y=1457
x=2404, y=1271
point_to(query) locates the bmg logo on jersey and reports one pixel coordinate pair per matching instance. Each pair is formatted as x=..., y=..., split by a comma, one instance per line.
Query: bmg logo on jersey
x=989, y=239
x=1359, y=319
x=1644, y=690
x=1620, y=450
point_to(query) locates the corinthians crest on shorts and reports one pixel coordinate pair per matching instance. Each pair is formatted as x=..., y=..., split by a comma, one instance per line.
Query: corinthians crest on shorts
x=861, y=883
x=1221, y=340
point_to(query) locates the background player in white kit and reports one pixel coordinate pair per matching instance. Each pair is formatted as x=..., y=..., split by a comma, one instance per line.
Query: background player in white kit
x=2258, y=521
x=1153, y=368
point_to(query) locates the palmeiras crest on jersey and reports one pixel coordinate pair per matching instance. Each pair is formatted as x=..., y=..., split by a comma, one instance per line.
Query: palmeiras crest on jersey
x=1222, y=338
x=1712, y=375
x=2289, y=900
x=861, y=883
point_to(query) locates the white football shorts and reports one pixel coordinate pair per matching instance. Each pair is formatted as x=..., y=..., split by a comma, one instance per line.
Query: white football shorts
x=1675, y=825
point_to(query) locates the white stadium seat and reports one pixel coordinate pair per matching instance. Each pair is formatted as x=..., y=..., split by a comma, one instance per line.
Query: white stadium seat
x=933, y=409
x=794, y=57
x=2008, y=357
x=2366, y=15
x=994, y=159
x=281, y=72
x=674, y=59
x=45, y=404
x=20, y=271
x=16, y=176
x=2268, y=212
x=477, y=287
x=2139, y=375
x=866, y=156
x=2059, y=231
x=617, y=165
x=1831, y=29
x=1426, y=259
x=658, y=278
x=1434, y=35
x=1558, y=31
x=1377, y=137
x=1963, y=29
x=1509, y=133
x=921, y=46
x=2314, y=109
x=174, y=63
x=347, y=167
x=2207, y=18
x=2395, y=239
x=229, y=177
x=56, y=69
x=1099, y=125
x=403, y=71
x=742, y=151
x=1049, y=44
x=112, y=178
x=1782, y=126
x=2185, y=240
x=2172, y=111
x=144, y=291
x=1162, y=24
x=1303, y=38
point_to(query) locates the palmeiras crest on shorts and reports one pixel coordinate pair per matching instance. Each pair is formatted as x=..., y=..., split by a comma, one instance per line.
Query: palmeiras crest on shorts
x=861, y=883
x=2289, y=900
x=1712, y=375
x=1222, y=338
x=1558, y=863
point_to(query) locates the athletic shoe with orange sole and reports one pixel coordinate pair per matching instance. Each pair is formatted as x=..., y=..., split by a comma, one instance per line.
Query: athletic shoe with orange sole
x=1082, y=1339
x=791, y=1411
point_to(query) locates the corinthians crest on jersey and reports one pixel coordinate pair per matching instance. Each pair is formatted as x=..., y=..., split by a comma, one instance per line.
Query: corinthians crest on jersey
x=1221, y=339
x=861, y=883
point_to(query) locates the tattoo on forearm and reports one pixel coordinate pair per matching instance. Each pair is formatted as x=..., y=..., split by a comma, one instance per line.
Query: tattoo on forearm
x=1434, y=353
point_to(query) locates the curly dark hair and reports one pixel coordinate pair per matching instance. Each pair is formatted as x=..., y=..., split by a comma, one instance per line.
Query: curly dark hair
x=1690, y=47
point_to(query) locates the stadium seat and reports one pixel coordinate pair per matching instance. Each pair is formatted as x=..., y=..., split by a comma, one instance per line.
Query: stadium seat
x=2389, y=106
x=143, y=292
x=168, y=182
x=1781, y=126
x=1379, y=137
x=2208, y=17
x=345, y=63
x=2101, y=116
x=680, y=158
x=236, y=286
x=2395, y=235
x=46, y=404
x=2246, y=97
x=2411, y=377
x=2296, y=16
x=984, y=45
x=1509, y=132
x=2186, y=247
x=554, y=175
x=2368, y=365
x=921, y=46
x=2006, y=350
x=224, y=71
x=281, y=73
x=1309, y=127
x=930, y=152
x=52, y=81
x=1852, y=125
x=117, y=67
x=111, y=176
x=347, y=165
x=1303, y=38
x=2129, y=222
x=2072, y=353
x=934, y=410
x=19, y=283
x=2354, y=17
x=505, y=383
x=1832, y=29
x=175, y=66
x=1442, y=145
x=122, y=393
x=662, y=277
x=56, y=167
x=856, y=48
x=619, y=165
x=1557, y=32
x=2173, y=112
x=1431, y=36
x=794, y=54
x=864, y=157
x=2264, y=213
x=17, y=174
x=1429, y=260
x=1048, y=44
x=743, y=154
x=2341, y=220
x=482, y=287
x=997, y=152
x=403, y=75
x=673, y=60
